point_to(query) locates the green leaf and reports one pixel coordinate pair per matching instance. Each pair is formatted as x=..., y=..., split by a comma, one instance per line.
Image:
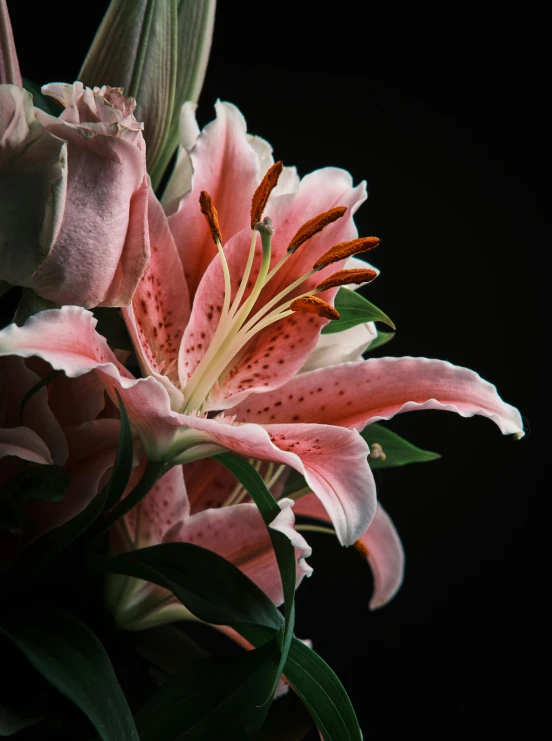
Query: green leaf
x=382, y=339
x=354, y=309
x=217, y=698
x=111, y=325
x=68, y=654
x=254, y=484
x=122, y=466
x=317, y=686
x=46, y=483
x=39, y=100
x=398, y=451
x=211, y=587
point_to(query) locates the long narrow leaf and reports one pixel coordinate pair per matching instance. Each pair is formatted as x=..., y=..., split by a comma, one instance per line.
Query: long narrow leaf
x=217, y=698
x=68, y=654
x=211, y=587
x=317, y=686
x=254, y=484
x=123, y=461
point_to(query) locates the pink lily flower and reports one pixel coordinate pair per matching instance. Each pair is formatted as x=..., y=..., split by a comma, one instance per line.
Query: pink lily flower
x=221, y=372
x=83, y=178
x=175, y=511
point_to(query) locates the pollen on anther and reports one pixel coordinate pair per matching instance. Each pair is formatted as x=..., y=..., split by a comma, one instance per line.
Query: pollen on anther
x=262, y=194
x=211, y=214
x=361, y=548
x=315, y=225
x=314, y=305
x=346, y=249
x=346, y=277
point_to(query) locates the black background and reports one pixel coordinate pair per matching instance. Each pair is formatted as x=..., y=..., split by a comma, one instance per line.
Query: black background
x=442, y=112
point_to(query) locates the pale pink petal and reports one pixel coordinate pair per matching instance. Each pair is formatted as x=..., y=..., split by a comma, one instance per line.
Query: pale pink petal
x=15, y=381
x=160, y=307
x=332, y=459
x=380, y=544
x=180, y=182
x=284, y=523
x=93, y=446
x=33, y=183
x=135, y=254
x=356, y=394
x=66, y=338
x=239, y=534
x=25, y=444
x=227, y=167
x=102, y=247
x=341, y=347
x=165, y=506
x=318, y=191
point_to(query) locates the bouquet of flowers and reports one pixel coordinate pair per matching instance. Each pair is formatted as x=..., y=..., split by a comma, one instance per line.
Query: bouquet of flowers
x=185, y=396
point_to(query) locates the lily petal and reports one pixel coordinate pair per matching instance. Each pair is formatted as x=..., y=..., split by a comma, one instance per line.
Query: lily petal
x=380, y=544
x=66, y=338
x=24, y=443
x=277, y=352
x=227, y=167
x=239, y=534
x=163, y=508
x=332, y=460
x=180, y=182
x=341, y=347
x=15, y=381
x=284, y=523
x=355, y=394
x=160, y=307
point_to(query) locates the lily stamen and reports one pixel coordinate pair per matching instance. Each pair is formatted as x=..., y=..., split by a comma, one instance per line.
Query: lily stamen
x=236, y=327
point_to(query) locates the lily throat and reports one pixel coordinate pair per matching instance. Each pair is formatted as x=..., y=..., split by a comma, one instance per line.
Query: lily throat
x=242, y=317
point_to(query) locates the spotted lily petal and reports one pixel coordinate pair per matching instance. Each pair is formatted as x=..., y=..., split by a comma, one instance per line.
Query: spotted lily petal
x=227, y=167
x=380, y=545
x=355, y=394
